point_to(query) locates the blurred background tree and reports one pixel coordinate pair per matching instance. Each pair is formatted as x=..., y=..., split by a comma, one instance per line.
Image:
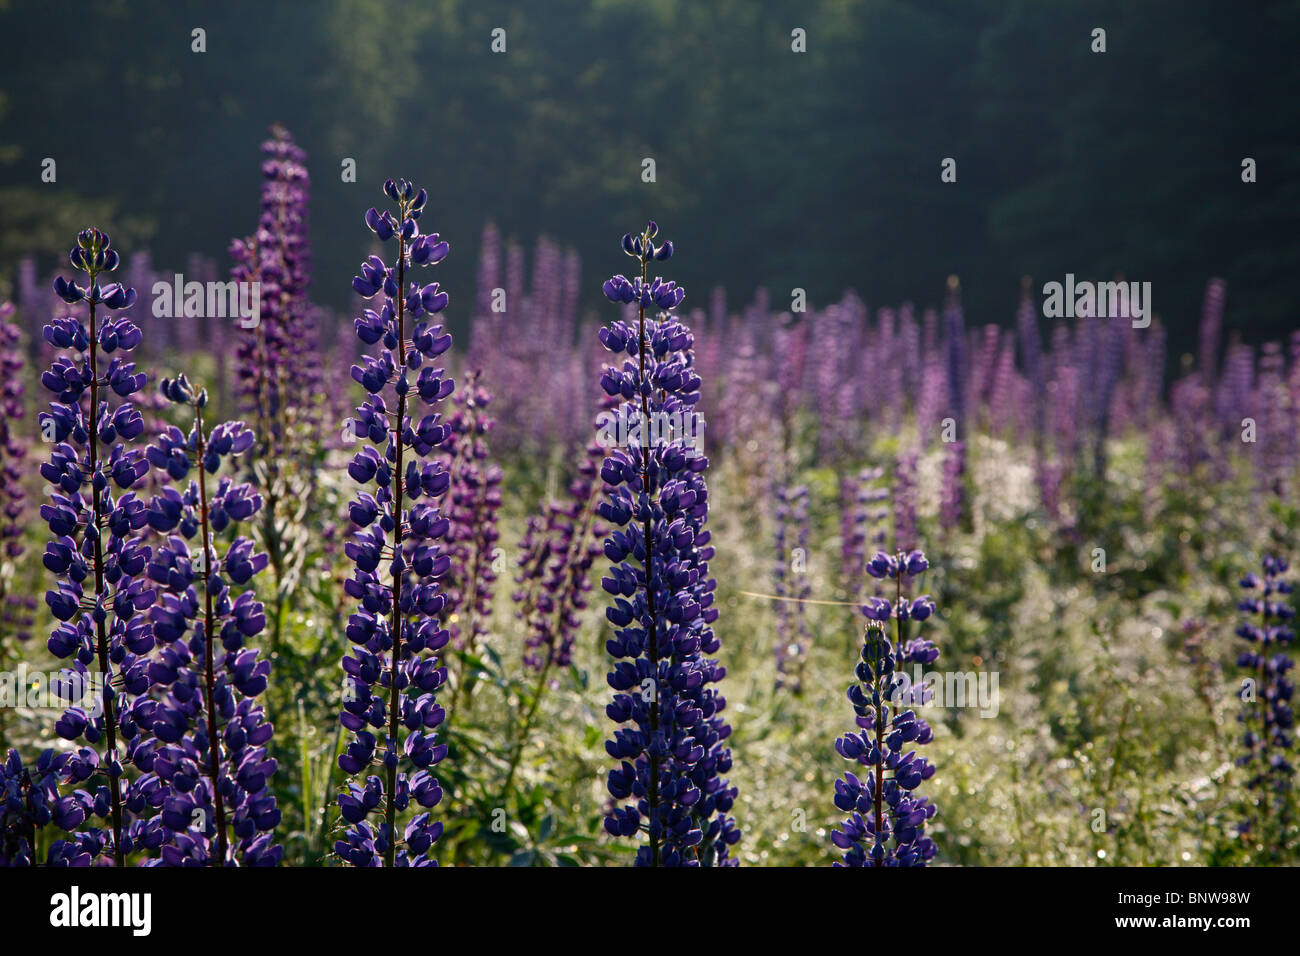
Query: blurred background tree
x=818, y=170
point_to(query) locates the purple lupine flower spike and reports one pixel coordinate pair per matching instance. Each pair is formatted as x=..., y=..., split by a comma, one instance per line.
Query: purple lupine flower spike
x=905, y=530
x=863, y=523
x=278, y=362
x=392, y=673
x=670, y=744
x=211, y=732
x=101, y=596
x=1267, y=717
x=471, y=512
x=557, y=552
x=952, y=494
x=793, y=639
x=886, y=822
x=15, y=614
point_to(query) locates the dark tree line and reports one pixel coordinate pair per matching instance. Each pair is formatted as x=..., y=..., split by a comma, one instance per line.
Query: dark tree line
x=818, y=170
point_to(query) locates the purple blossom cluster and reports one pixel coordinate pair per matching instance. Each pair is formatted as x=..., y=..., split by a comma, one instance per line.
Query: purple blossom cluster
x=792, y=586
x=886, y=822
x=392, y=673
x=101, y=595
x=30, y=801
x=536, y=390
x=15, y=609
x=1267, y=716
x=864, y=521
x=671, y=738
x=1067, y=390
x=211, y=734
x=172, y=724
x=277, y=363
x=952, y=495
x=471, y=511
x=557, y=552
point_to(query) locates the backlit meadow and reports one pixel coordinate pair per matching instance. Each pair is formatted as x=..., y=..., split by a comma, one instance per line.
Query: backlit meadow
x=685, y=580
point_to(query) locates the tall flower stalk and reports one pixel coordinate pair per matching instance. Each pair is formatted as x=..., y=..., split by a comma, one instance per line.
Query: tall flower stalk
x=886, y=822
x=1268, y=739
x=212, y=733
x=790, y=579
x=395, y=632
x=15, y=609
x=93, y=551
x=279, y=366
x=558, y=551
x=471, y=511
x=671, y=753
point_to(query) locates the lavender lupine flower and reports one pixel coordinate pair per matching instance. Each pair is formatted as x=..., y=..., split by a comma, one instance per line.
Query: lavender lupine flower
x=790, y=574
x=536, y=388
x=471, y=512
x=930, y=397
x=952, y=494
x=862, y=508
x=1211, y=329
x=982, y=372
x=905, y=532
x=101, y=595
x=1293, y=375
x=557, y=552
x=1106, y=366
x=279, y=362
x=886, y=823
x=1267, y=715
x=1064, y=391
x=273, y=367
x=1050, y=477
x=30, y=801
x=15, y=614
x=1008, y=399
x=1234, y=398
x=392, y=672
x=672, y=754
x=782, y=610
x=1031, y=354
x=212, y=735
x=954, y=330
x=1277, y=452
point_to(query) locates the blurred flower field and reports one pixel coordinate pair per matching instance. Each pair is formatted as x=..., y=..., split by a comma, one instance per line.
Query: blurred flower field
x=1106, y=527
